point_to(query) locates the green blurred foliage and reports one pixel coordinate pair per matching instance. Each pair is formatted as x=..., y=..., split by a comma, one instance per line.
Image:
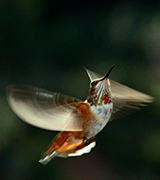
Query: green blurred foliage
x=46, y=43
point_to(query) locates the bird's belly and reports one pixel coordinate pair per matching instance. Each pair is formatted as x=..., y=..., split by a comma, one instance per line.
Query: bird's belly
x=102, y=115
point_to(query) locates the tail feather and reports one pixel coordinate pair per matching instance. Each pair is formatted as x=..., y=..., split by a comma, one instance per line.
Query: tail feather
x=67, y=144
x=84, y=150
x=48, y=158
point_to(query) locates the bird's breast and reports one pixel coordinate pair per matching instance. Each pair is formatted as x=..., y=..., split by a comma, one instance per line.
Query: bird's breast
x=103, y=113
x=98, y=118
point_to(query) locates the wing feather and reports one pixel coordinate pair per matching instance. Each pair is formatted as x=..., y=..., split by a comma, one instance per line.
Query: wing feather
x=44, y=109
x=126, y=99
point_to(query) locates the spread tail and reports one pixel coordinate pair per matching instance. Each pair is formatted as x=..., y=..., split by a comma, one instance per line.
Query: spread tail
x=67, y=144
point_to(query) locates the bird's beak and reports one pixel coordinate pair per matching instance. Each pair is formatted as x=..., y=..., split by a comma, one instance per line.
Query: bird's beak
x=92, y=75
x=108, y=73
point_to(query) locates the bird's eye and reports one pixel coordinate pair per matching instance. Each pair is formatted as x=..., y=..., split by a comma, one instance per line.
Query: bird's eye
x=93, y=84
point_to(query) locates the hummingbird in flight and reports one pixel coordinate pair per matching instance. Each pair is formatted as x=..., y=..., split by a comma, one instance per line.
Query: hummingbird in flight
x=78, y=121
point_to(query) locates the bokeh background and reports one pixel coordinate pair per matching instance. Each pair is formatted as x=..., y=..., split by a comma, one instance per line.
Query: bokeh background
x=45, y=43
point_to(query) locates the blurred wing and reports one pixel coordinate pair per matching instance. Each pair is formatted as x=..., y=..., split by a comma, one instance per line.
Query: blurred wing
x=44, y=109
x=126, y=99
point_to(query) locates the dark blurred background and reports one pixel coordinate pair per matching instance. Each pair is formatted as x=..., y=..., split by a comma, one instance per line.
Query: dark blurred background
x=45, y=43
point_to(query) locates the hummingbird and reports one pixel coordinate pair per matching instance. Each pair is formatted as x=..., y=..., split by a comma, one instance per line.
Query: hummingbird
x=78, y=121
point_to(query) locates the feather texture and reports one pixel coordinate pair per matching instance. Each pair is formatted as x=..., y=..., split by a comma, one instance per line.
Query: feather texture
x=44, y=109
x=126, y=99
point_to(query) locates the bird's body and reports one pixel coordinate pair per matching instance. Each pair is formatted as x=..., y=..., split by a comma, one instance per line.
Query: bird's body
x=65, y=144
x=78, y=121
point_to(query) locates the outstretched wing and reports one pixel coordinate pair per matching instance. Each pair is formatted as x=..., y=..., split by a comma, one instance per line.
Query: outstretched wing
x=124, y=99
x=44, y=109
